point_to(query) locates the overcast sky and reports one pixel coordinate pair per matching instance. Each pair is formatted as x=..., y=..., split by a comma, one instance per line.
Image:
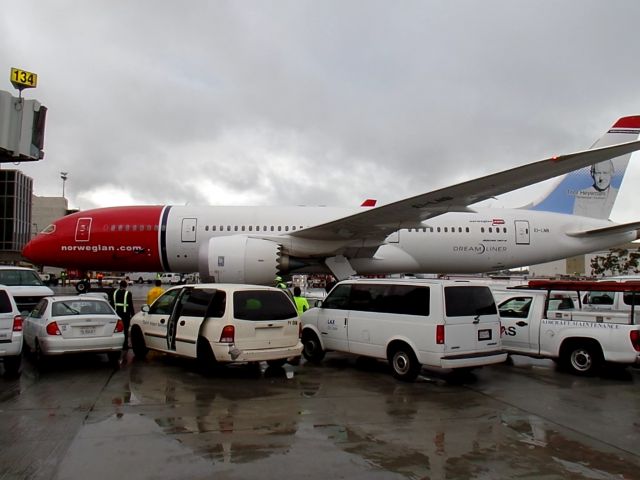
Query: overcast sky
x=315, y=103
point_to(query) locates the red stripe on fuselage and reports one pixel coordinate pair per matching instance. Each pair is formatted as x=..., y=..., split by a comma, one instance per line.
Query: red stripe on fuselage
x=115, y=239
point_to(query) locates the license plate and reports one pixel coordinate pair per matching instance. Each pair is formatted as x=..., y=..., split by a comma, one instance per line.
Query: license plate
x=87, y=330
x=484, y=334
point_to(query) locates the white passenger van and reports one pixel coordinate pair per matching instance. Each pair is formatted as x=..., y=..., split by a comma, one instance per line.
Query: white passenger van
x=410, y=323
x=219, y=323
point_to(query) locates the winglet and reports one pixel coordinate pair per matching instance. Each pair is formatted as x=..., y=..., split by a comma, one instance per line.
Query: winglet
x=628, y=122
x=369, y=202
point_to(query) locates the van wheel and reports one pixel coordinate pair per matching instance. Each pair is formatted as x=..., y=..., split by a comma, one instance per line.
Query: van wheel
x=82, y=287
x=583, y=359
x=205, y=357
x=312, y=350
x=140, y=349
x=12, y=365
x=404, y=364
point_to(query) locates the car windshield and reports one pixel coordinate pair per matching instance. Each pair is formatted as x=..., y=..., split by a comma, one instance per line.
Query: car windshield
x=20, y=278
x=80, y=307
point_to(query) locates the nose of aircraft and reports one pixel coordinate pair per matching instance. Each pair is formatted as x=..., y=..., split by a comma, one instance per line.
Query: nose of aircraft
x=32, y=251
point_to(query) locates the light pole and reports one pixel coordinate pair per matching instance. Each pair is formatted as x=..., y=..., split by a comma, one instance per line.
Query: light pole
x=63, y=176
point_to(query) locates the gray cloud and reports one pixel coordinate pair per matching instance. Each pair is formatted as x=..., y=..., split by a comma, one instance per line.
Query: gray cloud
x=300, y=102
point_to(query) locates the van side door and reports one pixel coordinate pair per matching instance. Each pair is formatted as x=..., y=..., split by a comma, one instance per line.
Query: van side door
x=333, y=318
x=156, y=320
x=189, y=314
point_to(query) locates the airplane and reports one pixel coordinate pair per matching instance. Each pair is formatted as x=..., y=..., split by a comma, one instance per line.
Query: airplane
x=434, y=232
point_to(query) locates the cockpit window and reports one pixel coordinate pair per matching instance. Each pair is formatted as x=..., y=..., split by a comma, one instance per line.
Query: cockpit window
x=49, y=229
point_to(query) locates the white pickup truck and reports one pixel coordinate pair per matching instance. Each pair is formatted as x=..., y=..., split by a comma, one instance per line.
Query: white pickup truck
x=547, y=320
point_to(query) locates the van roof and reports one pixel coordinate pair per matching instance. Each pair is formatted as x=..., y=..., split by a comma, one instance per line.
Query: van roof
x=416, y=281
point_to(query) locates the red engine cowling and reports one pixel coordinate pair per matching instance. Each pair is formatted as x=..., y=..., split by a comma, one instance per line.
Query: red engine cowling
x=239, y=259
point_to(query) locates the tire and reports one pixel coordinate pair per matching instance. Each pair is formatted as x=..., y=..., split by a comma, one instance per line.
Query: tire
x=583, y=359
x=277, y=363
x=82, y=287
x=205, y=357
x=12, y=365
x=140, y=281
x=404, y=364
x=114, y=358
x=312, y=350
x=140, y=349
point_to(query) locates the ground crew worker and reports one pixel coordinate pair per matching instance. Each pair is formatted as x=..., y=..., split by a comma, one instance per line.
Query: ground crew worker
x=122, y=303
x=301, y=303
x=155, y=292
x=280, y=283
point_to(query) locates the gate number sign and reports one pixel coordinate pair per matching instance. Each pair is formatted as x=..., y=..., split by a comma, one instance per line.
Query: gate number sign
x=21, y=79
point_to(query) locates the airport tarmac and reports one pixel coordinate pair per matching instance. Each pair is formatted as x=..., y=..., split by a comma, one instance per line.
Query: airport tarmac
x=347, y=418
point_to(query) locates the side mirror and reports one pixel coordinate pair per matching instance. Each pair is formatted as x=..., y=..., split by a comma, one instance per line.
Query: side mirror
x=145, y=308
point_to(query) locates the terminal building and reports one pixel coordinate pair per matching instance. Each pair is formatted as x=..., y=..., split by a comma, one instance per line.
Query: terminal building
x=22, y=214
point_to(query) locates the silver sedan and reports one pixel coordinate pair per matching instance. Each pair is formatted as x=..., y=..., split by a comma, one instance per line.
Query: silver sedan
x=73, y=324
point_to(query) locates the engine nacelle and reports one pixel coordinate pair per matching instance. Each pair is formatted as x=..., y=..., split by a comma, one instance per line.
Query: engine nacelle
x=239, y=259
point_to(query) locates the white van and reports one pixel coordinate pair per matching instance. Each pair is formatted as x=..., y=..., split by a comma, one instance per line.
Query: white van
x=219, y=323
x=25, y=285
x=410, y=323
x=171, y=278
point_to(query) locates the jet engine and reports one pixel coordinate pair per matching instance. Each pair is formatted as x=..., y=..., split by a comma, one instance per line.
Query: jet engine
x=240, y=259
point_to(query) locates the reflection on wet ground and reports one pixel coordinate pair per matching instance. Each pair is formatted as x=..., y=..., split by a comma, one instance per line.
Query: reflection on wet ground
x=160, y=419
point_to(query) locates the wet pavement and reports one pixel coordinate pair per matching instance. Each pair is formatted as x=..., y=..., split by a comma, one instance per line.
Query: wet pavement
x=347, y=418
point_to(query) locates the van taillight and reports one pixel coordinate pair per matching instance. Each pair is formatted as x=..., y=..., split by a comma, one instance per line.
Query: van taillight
x=634, y=335
x=119, y=327
x=440, y=334
x=228, y=334
x=52, y=329
x=17, y=323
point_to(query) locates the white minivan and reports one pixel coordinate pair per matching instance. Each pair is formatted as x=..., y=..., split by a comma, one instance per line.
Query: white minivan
x=219, y=323
x=410, y=323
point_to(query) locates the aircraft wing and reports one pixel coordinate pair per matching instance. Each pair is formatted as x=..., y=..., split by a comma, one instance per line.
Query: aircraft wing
x=376, y=223
x=616, y=228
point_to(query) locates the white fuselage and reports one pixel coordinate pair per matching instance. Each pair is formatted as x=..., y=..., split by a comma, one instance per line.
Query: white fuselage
x=487, y=240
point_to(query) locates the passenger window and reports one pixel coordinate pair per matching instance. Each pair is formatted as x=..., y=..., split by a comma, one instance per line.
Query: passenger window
x=39, y=309
x=338, y=298
x=164, y=304
x=402, y=300
x=469, y=301
x=195, y=302
x=217, y=305
x=517, y=307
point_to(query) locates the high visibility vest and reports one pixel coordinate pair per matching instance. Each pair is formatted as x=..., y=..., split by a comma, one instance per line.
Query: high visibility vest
x=301, y=304
x=122, y=305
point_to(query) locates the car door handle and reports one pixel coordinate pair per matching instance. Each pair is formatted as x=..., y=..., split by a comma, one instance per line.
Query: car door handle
x=162, y=320
x=182, y=322
x=521, y=323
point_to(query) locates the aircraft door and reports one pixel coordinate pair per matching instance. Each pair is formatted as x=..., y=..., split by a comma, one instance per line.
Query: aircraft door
x=83, y=229
x=522, y=232
x=189, y=226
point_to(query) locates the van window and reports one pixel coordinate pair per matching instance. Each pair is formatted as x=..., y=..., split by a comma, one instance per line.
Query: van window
x=338, y=298
x=398, y=299
x=164, y=304
x=20, y=278
x=195, y=302
x=262, y=305
x=5, y=303
x=469, y=301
